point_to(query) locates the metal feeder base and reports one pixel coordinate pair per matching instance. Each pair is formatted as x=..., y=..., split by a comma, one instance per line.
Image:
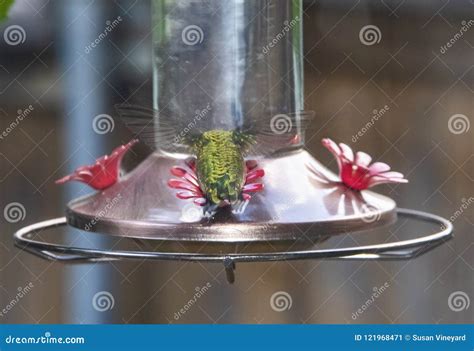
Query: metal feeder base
x=284, y=222
x=396, y=250
x=294, y=205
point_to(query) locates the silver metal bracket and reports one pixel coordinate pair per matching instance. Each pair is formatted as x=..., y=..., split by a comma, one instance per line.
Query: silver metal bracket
x=405, y=249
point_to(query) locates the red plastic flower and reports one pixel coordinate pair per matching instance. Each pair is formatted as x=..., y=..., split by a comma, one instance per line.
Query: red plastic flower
x=356, y=172
x=189, y=187
x=103, y=173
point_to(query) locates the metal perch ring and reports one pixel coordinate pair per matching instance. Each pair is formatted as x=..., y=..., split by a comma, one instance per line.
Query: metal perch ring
x=397, y=250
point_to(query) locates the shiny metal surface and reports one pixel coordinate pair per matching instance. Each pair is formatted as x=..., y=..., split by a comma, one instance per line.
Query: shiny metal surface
x=293, y=206
x=393, y=250
x=222, y=56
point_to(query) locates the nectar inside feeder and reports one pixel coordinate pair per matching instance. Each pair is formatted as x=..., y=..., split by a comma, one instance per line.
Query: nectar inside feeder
x=228, y=168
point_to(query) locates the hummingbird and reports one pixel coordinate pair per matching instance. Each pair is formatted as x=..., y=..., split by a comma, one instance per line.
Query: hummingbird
x=218, y=174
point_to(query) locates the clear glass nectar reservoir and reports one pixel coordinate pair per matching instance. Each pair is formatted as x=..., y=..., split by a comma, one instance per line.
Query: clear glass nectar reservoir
x=226, y=64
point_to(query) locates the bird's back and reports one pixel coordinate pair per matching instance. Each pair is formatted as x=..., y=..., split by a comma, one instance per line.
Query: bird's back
x=220, y=166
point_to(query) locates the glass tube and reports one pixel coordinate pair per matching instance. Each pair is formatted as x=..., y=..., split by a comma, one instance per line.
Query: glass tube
x=220, y=64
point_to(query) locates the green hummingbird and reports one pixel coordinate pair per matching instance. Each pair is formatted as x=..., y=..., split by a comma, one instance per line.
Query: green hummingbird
x=220, y=164
x=218, y=174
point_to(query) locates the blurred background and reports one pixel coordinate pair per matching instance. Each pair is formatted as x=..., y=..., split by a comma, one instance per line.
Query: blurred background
x=53, y=84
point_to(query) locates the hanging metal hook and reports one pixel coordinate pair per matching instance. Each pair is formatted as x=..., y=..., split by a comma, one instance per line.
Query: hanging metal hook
x=229, y=266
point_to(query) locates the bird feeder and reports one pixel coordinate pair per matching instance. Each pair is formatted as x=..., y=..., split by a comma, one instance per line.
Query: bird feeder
x=222, y=65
